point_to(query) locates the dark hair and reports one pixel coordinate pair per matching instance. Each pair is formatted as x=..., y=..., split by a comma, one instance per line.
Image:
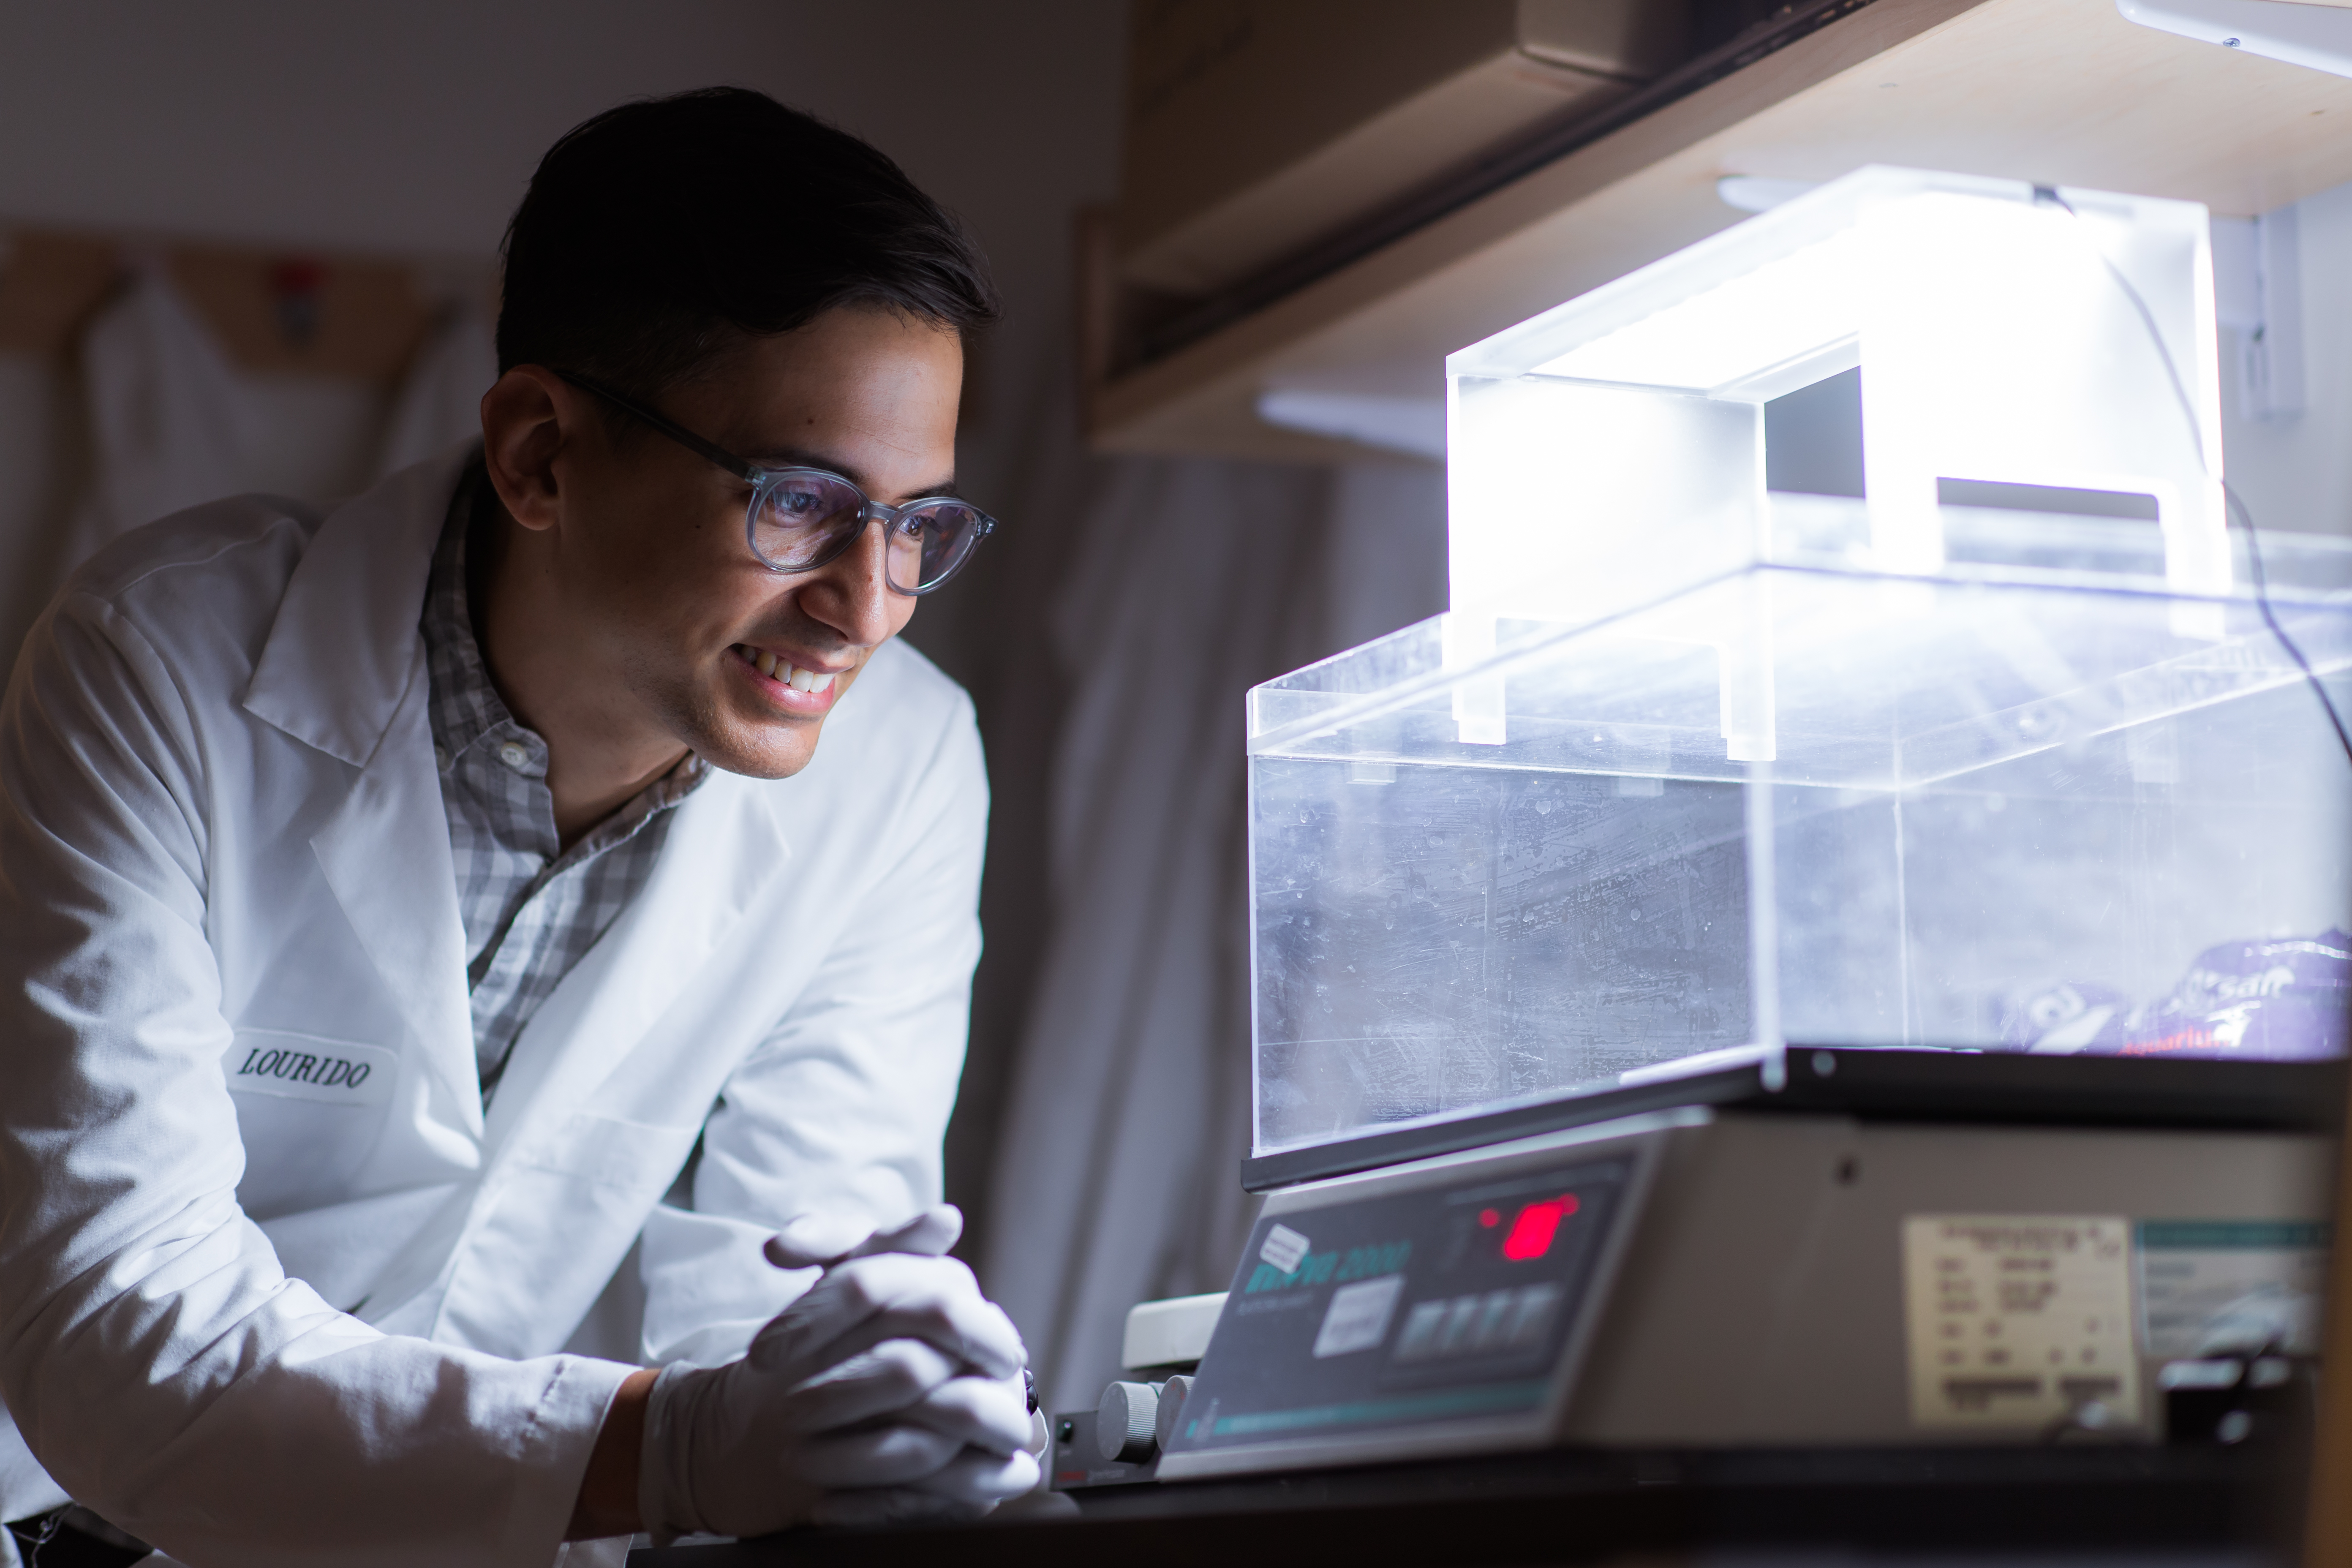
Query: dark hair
x=659, y=233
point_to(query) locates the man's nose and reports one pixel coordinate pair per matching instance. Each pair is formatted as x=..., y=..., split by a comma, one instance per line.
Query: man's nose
x=855, y=597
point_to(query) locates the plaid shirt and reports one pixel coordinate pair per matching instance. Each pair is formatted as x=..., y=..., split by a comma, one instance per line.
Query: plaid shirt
x=531, y=907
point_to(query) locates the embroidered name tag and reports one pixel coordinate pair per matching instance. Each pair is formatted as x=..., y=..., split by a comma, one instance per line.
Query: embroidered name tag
x=304, y=1066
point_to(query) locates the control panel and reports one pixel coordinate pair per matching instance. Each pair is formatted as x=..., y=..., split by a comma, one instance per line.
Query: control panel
x=1424, y=1310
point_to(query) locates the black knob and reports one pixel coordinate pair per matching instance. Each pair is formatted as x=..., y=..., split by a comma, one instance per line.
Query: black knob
x=1124, y=1422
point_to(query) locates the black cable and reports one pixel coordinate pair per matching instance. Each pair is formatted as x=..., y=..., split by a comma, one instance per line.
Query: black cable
x=2263, y=603
x=2047, y=195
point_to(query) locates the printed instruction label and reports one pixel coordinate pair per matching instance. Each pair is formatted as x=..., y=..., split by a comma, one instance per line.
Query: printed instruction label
x=2016, y=1319
x=2210, y=1287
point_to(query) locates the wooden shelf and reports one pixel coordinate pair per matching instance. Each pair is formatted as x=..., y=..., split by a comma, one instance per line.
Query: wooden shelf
x=2057, y=91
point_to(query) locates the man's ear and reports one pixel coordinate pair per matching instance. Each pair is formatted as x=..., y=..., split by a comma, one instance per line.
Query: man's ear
x=529, y=420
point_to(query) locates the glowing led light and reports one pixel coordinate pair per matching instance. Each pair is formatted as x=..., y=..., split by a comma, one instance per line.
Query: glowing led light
x=1489, y=1218
x=1532, y=1231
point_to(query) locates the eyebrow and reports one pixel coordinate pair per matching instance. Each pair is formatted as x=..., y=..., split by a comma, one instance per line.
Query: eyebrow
x=801, y=458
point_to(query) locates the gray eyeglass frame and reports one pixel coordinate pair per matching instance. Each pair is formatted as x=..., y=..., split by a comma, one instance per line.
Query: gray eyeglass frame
x=762, y=481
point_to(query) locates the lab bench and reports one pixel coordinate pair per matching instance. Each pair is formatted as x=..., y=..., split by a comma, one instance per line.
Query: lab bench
x=1602, y=1506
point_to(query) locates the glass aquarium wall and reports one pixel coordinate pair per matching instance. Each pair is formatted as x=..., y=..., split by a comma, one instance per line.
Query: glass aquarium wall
x=2050, y=807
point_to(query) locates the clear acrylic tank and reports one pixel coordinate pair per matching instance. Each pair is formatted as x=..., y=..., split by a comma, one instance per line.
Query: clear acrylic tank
x=1818, y=674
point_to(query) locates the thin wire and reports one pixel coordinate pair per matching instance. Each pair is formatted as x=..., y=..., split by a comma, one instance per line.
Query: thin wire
x=2263, y=603
x=2047, y=195
x=46, y=1528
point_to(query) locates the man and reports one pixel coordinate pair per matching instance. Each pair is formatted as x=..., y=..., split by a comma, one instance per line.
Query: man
x=397, y=903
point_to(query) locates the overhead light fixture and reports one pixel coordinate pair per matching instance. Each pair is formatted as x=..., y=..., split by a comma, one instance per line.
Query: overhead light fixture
x=1609, y=452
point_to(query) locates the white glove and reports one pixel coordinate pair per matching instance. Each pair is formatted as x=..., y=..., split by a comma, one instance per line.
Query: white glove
x=822, y=1240
x=891, y=1389
x=816, y=1240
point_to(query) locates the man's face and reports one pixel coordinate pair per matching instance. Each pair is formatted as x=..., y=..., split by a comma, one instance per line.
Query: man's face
x=702, y=637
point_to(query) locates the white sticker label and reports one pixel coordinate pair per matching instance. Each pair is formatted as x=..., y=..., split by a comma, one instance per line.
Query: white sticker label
x=2209, y=1286
x=2017, y=1320
x=304, y=1066
x=1359, y=1316
x=1284, y=1248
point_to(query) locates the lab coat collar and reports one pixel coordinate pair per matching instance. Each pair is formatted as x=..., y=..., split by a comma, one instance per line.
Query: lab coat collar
x=345, y=645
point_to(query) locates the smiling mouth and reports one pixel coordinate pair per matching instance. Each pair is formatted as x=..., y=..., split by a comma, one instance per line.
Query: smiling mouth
x=811, y=682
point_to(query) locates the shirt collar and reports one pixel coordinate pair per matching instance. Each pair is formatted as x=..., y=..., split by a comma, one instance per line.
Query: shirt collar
x=466, y=706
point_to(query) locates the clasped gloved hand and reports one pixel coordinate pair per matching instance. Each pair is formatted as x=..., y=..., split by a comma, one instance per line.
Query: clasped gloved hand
x=819, y=1240
x=891, y=1390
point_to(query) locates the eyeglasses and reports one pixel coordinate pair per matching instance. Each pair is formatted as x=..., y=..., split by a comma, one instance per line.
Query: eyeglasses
x=800, y=519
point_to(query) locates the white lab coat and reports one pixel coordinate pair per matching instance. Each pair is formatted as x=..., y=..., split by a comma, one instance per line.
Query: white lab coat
x=262, y=1314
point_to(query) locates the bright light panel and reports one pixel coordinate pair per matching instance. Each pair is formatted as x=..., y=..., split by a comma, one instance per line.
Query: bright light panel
x=1786, y=310
x=2004, y=336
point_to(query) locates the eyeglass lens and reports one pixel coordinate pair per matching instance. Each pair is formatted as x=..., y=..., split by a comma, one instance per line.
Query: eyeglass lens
x=799, y=522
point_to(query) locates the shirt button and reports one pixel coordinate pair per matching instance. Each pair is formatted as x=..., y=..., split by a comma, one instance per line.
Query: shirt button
x=514, y=755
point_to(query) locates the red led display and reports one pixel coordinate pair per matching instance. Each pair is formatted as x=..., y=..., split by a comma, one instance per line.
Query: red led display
x=1535, y=1226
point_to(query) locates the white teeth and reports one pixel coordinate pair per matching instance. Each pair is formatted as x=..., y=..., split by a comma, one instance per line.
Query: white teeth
x=784, y=671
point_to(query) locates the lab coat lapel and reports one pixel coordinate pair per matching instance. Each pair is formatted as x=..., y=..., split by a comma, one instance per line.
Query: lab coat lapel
x=385, y=853
x=343, y=670
x=724, y=847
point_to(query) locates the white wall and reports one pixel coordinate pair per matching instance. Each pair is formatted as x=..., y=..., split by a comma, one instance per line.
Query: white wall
x=414, y=126
x=2295, y=474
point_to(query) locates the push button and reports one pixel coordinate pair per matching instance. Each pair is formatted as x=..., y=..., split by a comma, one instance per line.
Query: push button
x=1419, y=1340
x=1482, y=1324
x=1493, y=1313
x=1538, y=1305
x=1454, y=1335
